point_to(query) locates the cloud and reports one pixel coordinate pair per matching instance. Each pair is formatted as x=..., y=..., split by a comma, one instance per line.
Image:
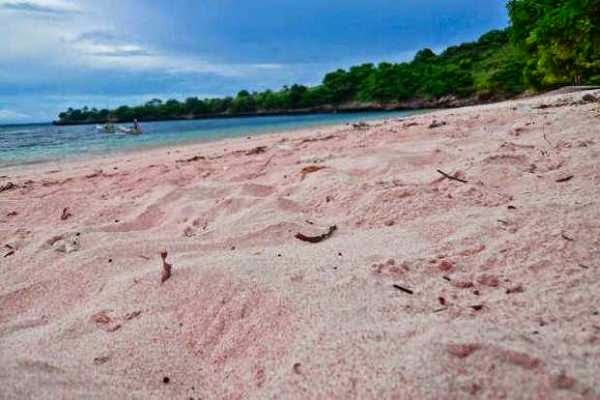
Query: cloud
x=104, y=49
x=97, y=37
x=40, y=6
x=12, y=116
x=86, y=40
x=112, y=50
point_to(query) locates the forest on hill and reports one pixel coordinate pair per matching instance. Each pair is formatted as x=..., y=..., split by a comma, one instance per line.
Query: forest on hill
x=549, y=43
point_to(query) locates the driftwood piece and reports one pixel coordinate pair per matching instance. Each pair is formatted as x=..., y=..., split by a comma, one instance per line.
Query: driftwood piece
x=166, y=267
x=319, y=238
x=453, y=178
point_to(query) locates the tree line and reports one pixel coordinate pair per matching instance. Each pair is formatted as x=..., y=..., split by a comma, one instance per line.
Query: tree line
x=549, y=43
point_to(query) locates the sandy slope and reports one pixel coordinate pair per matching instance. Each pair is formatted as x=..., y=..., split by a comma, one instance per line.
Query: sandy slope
x=504, y=269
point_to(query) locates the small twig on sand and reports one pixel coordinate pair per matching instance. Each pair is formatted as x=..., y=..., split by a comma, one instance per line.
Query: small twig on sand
x=166, y=267
x=564, y=236
x=436, y=124
x=11, y=250
x=448, y=176
x=565, y=179
x=319, y=238
x=65, y=214
x=266, y=164
x=7, y=186
x=317, y=139
x=546, y=139
x=191, y=159
x=515, y=289
x=360, y=125
x=256, y=150
x=309, y=170
x=405, y=290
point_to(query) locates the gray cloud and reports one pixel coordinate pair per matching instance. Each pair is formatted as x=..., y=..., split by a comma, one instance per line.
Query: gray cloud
x=121, y=53
x=33, y=7
x=97, y=37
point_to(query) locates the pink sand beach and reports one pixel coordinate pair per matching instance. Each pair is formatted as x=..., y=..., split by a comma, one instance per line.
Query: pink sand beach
x=481, y=283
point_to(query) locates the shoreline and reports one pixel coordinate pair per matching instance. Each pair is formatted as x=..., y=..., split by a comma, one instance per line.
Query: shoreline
x=191, y=147
x=180, y=148
x=464, y=249
x=198, y=141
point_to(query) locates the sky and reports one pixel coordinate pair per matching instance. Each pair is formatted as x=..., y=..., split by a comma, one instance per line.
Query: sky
x=56, y=54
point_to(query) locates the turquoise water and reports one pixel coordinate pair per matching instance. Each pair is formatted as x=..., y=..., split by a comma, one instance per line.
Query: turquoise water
x=23, y=144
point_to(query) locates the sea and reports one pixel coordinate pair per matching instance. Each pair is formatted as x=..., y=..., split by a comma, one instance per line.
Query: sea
x=36, y=143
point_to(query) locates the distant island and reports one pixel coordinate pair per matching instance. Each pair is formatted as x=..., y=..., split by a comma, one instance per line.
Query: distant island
x=545, y=46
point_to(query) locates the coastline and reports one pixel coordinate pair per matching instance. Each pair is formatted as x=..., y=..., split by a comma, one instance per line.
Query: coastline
x=375, y=116
x=417, y=104
x=93, y=159
x=429, y=287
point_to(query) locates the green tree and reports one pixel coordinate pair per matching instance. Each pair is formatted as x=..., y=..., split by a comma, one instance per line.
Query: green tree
x=560, y=37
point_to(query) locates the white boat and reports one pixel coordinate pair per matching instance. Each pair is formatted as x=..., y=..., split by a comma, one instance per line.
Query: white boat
x=131, y=131
x=108, y=128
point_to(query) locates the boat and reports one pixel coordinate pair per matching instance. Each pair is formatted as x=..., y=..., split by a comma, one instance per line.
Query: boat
x=131, y=131
x=106, y=128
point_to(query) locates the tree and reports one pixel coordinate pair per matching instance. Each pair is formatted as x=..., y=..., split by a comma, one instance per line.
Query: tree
x=424, y=56
x=243, y=103
x=561, y=39
x=339, y=85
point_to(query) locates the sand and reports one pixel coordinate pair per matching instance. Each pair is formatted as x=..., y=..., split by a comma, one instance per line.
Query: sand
x=486, y=286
